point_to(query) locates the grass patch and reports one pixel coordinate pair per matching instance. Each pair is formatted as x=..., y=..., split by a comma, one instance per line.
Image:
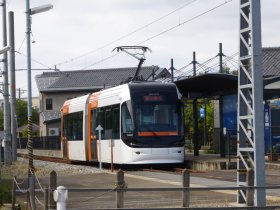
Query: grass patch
x=5, y=191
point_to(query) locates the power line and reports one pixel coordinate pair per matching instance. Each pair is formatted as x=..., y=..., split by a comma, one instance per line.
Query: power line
x=127, y=35
x=38, y=62
x=169, y=29
x=186, y=21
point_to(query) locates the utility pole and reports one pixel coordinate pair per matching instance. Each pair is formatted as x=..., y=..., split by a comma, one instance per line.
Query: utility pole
x=29, y=12
x=250, y=135
x=20, y=91
x=29, y=103
x=12, y=86
x=7, y=117
x=195, y=112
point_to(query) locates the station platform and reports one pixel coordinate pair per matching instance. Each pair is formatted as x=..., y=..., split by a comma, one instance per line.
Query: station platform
x=203, y=162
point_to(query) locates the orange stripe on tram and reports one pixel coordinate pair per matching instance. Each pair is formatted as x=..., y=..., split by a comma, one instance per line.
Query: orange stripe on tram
x=65, y=107
x=92, y=104
x=160, y=133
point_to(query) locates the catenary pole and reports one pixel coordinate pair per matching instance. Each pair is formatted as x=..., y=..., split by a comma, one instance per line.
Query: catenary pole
x=250, y=136
x=12, y=86
x=195, y=120
x=7, y=117
x=172, y=70
x=222, y=142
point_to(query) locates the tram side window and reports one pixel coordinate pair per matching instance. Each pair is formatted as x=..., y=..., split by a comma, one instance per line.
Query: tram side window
x=127, y=126
x=108, y=122
x=73, y=126
x=116, y=122
x=108, y=117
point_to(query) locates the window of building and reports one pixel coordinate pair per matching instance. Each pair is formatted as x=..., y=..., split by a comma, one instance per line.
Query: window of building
x=49, y=105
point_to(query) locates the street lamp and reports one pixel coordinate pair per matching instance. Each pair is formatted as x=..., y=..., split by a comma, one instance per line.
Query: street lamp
x=5, y=49
x=30, y=12
x=40, y=9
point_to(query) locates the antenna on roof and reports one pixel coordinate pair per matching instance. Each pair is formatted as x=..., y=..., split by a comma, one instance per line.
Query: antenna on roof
x=138, y=55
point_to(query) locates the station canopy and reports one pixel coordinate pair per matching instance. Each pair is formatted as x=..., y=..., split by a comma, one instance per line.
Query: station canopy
x=218, y=84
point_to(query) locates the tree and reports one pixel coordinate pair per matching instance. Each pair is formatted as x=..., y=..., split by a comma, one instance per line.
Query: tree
x=22, y=113
x=209, y=121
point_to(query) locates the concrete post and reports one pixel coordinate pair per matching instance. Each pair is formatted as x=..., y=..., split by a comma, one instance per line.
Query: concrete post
x=120, y=188
x=12, y=86
x=52, y=187
x=185, y=193
x=14, y=194
x=31, y=184
x=46, y=199
x=60, y=196
x=250, y=183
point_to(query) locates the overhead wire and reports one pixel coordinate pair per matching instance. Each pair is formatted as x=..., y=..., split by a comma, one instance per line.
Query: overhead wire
x=126, y=35
x=186, y=21
x=169, y=29
x=38, y=62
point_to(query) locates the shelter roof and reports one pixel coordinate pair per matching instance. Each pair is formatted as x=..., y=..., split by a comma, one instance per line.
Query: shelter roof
x=207, y=85
x=216, y=84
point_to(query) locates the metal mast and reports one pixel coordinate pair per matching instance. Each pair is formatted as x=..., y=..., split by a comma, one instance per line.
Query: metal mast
x=7, y=116
x=250, y=102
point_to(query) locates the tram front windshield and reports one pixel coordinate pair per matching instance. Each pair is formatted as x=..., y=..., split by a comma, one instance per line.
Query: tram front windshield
x=153, y=121
x=156, y=119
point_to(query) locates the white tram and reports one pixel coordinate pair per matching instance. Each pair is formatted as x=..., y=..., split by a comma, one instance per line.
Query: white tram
x=142, y=124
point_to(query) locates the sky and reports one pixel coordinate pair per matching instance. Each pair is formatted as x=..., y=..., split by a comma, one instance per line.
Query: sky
x=81, y=34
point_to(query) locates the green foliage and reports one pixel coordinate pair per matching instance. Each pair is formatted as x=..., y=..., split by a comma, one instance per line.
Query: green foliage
x=209, y=121
x=22, y=113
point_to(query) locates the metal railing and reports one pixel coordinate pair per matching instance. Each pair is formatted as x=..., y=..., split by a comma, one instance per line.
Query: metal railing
x=60, y=195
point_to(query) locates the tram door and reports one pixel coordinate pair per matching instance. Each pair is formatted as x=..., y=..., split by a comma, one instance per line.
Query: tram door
x=93, y=145
x=93, y=138
x=64, y=147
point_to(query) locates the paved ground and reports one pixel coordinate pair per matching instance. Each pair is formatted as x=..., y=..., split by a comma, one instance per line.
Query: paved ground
x=145, y=179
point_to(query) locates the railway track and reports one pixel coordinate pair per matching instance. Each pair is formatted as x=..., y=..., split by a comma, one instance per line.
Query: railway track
x=46, y=158
x=173, y=168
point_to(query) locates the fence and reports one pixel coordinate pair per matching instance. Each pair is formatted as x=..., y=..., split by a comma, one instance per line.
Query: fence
x=44, y=142
x=60, y=195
